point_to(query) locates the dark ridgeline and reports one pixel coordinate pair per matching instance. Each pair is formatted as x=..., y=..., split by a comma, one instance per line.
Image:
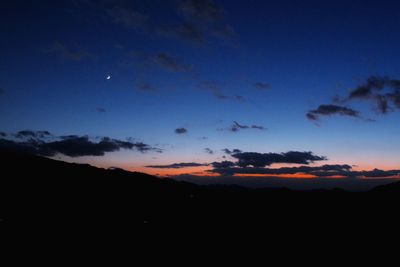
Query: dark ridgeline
x=46, y=193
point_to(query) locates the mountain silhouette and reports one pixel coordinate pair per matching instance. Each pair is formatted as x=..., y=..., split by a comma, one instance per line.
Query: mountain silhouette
x=46, y=193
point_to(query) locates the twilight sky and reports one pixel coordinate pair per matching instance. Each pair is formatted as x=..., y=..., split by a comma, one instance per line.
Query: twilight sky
x=228, y=89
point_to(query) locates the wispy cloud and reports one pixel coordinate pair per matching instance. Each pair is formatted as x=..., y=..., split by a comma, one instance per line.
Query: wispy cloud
x=262, y=85
x=169, y=62
x=230, y=152
x=215, y=89
x=236, y=127
x=101, y=110
x=128, y=17
x=146, y=87
x=185, y=31
x=76, y=54
x=177, y=165
x=209, y=151
x=208, y=15
x=162, y=60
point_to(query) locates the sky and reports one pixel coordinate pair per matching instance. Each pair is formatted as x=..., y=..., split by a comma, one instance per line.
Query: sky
x=174, y=87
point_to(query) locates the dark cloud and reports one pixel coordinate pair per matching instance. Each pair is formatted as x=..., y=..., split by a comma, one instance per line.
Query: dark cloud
x=177, y=165
x=101, y=110
x=72, y=145
x=329, y=110
x=257, y=164
x=265, y=159
x=25, y=133
x=209, y=151
x=230, y=152
x=72, y=136
x=181, y=130
x=324, y=171
x=69, y=53
x=329, y=170
x=262, y=86
x=382, y=104
x=223, y=165
x=382, y=91
x=32, y=134
x=395, y=98
x=169, y=63
x=3, y=134
x=237, y=126
x=373, y=89
x=372, y=84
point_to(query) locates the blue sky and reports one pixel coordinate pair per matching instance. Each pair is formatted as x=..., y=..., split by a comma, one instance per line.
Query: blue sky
x=55, y=57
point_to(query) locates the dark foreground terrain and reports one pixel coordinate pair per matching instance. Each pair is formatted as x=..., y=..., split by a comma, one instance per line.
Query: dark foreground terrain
x=45, y=193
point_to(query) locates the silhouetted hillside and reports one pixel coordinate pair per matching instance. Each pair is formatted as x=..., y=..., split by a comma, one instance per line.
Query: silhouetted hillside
x=41, y=192
x=392, y=188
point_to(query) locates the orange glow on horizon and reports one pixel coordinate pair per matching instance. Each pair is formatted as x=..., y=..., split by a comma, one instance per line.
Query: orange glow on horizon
x=204, y=171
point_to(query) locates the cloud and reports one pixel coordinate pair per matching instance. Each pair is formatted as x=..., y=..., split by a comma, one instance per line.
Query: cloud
x=395, y=98
x=201, y=10
x=177, y=165
x=240, y=98
x=101, y=110
x=181, y=130
x=162, y=60
x=128, y=17
x=169, y=63
x=324, y=171
x=215, y=89
x=262, y=86
x=328, y=170
x=230, y=152
x=236, y=127
x=373, y=89
x=146, y=87
x=207, y=15
x=68, y=53
x=223, y=165
x=366, y=90
x=382, y=91
x=265, y=159
x=39, y=143
x=253, y=163
x=185, y=31
x=209, y=151
x=3, y=134
x=32, y=134
x=187, y=20
x=329, y=110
